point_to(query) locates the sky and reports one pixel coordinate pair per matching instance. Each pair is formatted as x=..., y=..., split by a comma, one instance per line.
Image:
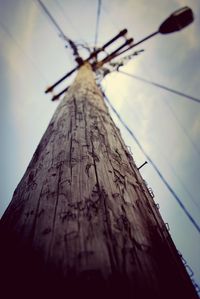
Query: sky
x=33, y=56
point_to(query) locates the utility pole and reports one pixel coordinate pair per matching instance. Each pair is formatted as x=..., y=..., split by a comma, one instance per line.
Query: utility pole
x=82, y=222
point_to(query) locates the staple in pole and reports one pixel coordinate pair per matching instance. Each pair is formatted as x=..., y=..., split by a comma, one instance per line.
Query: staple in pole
x=143, y=165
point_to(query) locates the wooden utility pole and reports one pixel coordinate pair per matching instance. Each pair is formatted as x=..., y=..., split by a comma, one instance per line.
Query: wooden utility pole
x=82, y=222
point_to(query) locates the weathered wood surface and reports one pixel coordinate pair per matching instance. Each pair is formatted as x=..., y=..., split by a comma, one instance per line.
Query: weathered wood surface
x=82, y=219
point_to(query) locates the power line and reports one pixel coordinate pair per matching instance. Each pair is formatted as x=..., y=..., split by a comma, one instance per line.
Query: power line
x=65, y=16
x=182, y=127
x=161, y=86
x=169, y=164
x=173, y=193
x=62, y=34
x=97, y=22
x=194, y=147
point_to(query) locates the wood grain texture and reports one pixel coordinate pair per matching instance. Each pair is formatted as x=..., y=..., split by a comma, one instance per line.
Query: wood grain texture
x=82, y=220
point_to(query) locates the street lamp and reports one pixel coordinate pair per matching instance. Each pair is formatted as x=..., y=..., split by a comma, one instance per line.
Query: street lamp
x=175, y=22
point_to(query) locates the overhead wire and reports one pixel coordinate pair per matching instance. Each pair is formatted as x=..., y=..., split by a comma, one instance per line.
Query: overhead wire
x=97, y=23
x=192, y=143
x=62, y=34
x=168, y=106
x=161, y=86
x=155, y=167
x=80, y=43
x=166, y=159
x=65, y=16
x=184, y=130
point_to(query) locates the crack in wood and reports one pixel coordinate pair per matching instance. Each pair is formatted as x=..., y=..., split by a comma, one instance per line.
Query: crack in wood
x=54, y=214
x=87, y=168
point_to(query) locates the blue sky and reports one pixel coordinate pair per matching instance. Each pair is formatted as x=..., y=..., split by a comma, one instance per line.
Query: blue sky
x=32, y=57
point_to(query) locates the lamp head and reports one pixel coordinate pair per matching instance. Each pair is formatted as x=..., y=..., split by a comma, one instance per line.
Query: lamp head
x=177, y=20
